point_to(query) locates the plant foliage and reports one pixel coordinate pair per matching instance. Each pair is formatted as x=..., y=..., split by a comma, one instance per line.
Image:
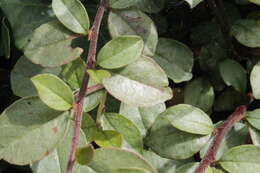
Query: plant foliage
x=130, y=86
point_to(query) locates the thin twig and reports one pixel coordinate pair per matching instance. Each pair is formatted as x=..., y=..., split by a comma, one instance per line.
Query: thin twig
x=94, y=88
x=91, y=61
x=220, y=133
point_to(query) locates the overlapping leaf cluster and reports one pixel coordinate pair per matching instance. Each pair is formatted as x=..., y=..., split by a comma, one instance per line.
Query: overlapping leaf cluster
x=142, y=134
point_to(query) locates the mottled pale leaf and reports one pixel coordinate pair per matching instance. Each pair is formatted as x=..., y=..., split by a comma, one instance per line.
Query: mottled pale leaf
x=233, y=74
x=142, y=83
x=189, y=119
x=50, y=45
x=163, y=165
x=199, y=93
x=29, y=130
x=247, y=32
x=143, y=117
x=25, y=17
x=107, y=160
x=254, y=80
x=72, y=14
x=84, y=155
x=120, y=51
x=175, y=58
x=235, y=137
x=53, y=91
x=119, y=4
x=22, y=73
x=190, y=168
x=5, y=34
x=131, y=134
x=57, y=161
x=242, y=159
x=134, y=22
x=253, y=117
x=135, y=93
x=169, y=142
x=255, y=136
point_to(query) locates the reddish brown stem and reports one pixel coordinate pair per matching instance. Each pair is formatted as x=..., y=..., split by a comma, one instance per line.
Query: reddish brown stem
x=220, y=133
x=94, y=88
x=91, y=61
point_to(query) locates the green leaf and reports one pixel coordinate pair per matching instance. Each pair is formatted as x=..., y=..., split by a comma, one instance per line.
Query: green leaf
x=103, y=163
x=193, y=3
x=175, y=58
x=253, y=117
x=84, y=155
x=229, y=100
x=119, y=4
x=73, y=72
x=131, y=134
x=214, y=170
x=134, y=22
x=247, y=32
x=189, y=119
x=72, y=14
x=108, y=138
x=98, y=75
x=57, y=161
x=199, y=93
x=144, y=94
x=92, y=101
x=206, y=33
x=238, y=135
x=25, y=17
x=50, y=46
x=150, y=6
x=143, y=117
x=255, y=136
x=242, y=159
x=89, y=127
x=163, y=165
x=130, y=170
x=255, y=1
x=5, y=33
x=233, y=74
x=53, y=91
x=169, y=142
x=209, y=58
x=254, y=80
x=120, y=52
x=29, y=130
x=142, y=83
x=22, y=73
x=190, y=168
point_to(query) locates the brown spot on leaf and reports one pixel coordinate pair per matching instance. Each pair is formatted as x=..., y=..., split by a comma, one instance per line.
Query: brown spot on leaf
x=46, y=153
x=54, y=130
